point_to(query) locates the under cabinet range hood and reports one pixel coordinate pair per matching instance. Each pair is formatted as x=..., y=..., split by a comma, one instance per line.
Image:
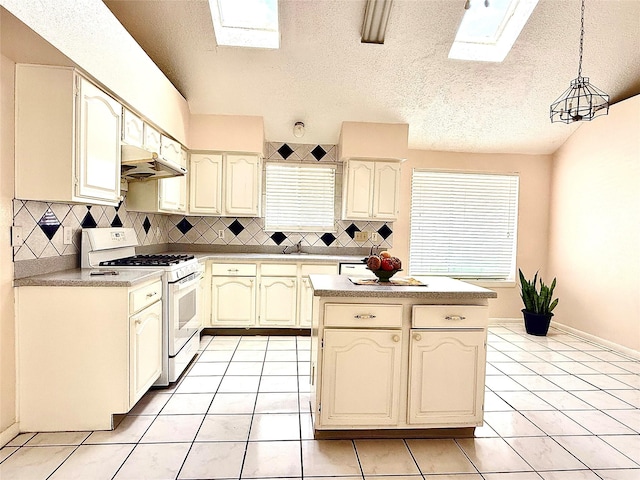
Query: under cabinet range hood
x=140, y=164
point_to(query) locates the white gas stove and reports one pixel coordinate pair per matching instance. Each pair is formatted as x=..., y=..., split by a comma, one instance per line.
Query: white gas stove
x=114, y=249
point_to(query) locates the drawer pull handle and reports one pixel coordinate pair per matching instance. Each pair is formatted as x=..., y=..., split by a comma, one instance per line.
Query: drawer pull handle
x=456, y=318
x=233, y=270
x=417, y=337
x=152, y=294
x=396, y=338
x=366, y=316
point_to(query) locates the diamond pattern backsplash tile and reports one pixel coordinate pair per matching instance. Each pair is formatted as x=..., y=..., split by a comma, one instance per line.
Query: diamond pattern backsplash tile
x=43, y=223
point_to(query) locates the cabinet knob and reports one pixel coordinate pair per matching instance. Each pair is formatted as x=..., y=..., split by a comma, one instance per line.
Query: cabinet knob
x=417, y=337
x=396, y=338
x=455, y=318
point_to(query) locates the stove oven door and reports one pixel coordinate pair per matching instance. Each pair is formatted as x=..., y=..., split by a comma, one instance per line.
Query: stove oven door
x=183, y=318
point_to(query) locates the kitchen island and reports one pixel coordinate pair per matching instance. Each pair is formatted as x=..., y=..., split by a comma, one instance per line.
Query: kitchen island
x=397, y=360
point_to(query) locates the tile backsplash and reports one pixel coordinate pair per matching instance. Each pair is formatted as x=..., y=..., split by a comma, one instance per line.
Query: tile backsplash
x=43, y=224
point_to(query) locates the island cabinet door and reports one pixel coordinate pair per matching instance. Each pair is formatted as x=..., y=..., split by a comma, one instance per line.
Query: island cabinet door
x=446, y=377
x=361, y=377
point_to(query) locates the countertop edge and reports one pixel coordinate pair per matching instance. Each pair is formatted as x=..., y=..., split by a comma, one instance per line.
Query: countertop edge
x=81, y=278
x=404, y=294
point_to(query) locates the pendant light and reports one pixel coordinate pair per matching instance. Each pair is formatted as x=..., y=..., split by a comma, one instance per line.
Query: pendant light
x=581, y=101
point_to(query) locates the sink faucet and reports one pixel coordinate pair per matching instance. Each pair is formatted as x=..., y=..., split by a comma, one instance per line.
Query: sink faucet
x=298, y=248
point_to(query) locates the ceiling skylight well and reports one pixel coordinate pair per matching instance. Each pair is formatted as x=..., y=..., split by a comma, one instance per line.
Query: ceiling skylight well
x=487, y=33
x=246, y=23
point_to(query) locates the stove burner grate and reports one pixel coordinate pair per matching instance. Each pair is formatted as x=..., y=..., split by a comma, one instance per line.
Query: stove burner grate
x=147, y=261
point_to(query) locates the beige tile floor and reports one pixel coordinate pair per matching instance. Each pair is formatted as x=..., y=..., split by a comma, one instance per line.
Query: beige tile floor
x=556, y=408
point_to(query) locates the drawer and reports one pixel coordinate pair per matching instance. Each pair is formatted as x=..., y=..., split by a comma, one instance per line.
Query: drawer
x=234, y=269
x=450, y=316
x=144, y=296
x=311, y=269
x=278, y=270
x=362, y=315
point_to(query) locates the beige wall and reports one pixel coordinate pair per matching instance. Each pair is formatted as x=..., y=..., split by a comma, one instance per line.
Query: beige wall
x=533, y=214
x=7, y=324
x=239, y=133
x=78, y=30
x=594, y=246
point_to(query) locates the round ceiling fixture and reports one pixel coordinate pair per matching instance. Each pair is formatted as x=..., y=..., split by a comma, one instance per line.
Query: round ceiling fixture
x=298, y=129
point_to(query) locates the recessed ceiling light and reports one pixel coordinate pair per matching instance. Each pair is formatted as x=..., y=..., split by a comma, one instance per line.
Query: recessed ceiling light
x=487, y=33
x=246, y=23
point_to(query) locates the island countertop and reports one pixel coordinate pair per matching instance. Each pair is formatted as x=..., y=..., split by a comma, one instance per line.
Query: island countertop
x=433, y=288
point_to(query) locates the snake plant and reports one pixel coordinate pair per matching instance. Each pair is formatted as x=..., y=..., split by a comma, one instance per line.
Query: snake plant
x=537, y=301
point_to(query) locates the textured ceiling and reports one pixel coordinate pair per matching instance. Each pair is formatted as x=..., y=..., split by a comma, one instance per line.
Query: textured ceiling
x=322, y=74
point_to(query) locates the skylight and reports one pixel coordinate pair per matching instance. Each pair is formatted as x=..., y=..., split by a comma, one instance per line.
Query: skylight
x=488, y=33
x=246, y=23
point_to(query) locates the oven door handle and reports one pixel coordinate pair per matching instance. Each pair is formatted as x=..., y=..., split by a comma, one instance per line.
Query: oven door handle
x=185, y=282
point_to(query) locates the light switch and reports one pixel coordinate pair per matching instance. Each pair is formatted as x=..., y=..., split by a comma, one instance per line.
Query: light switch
x=68, y=235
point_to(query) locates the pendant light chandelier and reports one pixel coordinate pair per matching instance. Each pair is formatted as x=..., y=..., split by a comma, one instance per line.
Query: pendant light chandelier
x=581, y=101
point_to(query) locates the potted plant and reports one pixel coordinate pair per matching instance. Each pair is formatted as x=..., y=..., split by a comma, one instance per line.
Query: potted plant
x=538, y=304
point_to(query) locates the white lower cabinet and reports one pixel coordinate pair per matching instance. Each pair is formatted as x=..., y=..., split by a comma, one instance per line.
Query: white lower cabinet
x=263, y=294
x=305, y=310
x=86, y=353
x=446, y=377
x=233, y=301
x=233, y=295
x=404, y=365
x=278, y=301
x=361, y=377
x=146, y=350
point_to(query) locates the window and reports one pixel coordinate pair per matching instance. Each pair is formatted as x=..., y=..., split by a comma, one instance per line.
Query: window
x=300, y=198
x=463, y=225
x=246, y=23
x=487, y=33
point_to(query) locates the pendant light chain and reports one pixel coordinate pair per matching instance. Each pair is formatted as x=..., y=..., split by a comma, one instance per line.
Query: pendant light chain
x=581, y=40
x=582, y=101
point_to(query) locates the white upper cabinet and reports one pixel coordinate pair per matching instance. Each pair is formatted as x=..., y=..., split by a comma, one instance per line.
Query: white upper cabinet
x=67, y=138
x=371, y=190
x=225, y=184
x=242, y=185
x=173, y=191
x=132, y=129
x=205, y=183
x=152, y=139
x=171, y=150
x=98, y=144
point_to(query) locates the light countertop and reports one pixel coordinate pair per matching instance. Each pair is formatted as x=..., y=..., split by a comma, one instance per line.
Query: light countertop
x=81, y=277
x=434, y=288
x=276, y=257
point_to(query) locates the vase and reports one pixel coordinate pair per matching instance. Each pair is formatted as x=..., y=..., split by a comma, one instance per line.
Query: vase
x=536, y=323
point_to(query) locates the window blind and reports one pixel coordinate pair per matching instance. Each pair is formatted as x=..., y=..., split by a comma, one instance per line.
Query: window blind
x=463, y=225
x=299, y=198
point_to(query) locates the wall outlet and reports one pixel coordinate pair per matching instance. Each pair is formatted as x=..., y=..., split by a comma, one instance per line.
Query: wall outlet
x=361, y=236
x=16, y=236
x=375, y=237
x=68, y=235
x=221, y=234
